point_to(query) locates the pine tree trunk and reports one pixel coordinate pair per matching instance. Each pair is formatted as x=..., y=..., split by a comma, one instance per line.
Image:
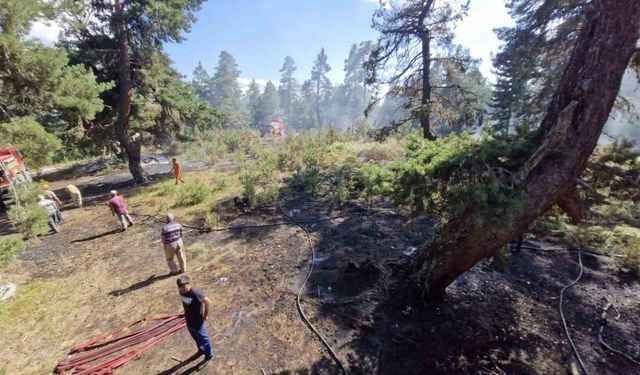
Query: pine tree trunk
x=425, y=100
x=584, y=97
x=124, y=101
x=318, y=104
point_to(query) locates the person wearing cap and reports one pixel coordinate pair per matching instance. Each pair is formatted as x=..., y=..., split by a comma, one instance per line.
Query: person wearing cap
x=196, y=309
x=173, y=246
x=74, y=192
x=52, y=210
x=49, y=194
x=118, y=206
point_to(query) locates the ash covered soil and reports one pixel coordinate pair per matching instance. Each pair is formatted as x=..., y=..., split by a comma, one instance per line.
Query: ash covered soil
x=499, y=318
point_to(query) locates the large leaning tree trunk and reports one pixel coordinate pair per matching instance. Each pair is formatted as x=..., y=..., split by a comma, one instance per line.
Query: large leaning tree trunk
x=131, y=147
x=571, y=127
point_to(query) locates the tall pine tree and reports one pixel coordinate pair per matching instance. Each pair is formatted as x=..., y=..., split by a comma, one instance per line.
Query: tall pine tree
x=117, y=38
x=226, y=91
x=318, y=88
x=415, y=35
x=288, y=88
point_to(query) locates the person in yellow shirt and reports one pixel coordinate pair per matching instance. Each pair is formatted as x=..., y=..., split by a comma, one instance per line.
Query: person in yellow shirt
x=75, y=194
x=177, y=170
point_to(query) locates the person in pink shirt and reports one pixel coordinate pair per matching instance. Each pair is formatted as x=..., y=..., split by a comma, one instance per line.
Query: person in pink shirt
x=118, y=207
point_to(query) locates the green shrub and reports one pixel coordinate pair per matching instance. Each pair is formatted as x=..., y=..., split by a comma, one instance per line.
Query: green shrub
x=238, y=140
x=28, y=192
x=292, y=152
x=346, y=179
x=239, y=161
x=458, y=176
x=266, y=166
x=211, y=220
x=249, y=181
x=30, y=219
x=268, y=194
x=219, y=184
x=191, y=193
x=389, y=150
x=376, y=181
x=553, y=223
x=593, y=237
x=617, y=211
x=10, y=246
x=332, y=135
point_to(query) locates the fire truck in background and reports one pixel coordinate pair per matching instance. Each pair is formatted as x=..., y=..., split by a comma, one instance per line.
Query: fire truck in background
x=12, y=169
x=272, y=127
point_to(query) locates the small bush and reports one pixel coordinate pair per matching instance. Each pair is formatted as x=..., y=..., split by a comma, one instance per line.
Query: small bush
x=219, y=184
x=553, y=223
x=10, y=246
x=387, y=151
x=269, y=194
x=211, y=220
x=346, y=179
x=29, y=219
x=191, y=193
x=618, y=211
x=628, y=239
x=595, y=238
x=248, y=181
x=376, y=181
x=307, y=180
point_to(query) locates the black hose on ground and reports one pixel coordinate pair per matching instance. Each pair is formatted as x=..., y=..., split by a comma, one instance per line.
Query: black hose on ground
x=304, y=317
x=564, y=322
x=607, y=346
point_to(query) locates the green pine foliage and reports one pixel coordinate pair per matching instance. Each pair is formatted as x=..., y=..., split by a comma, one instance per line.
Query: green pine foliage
x=191, y=193
x=457, y=175
x=10, y=247
x=37, y=146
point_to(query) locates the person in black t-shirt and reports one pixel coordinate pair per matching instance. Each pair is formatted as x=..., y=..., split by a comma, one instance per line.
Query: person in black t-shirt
x=196, y=309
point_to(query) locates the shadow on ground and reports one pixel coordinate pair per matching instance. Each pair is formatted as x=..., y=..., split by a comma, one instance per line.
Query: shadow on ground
x=139, y=285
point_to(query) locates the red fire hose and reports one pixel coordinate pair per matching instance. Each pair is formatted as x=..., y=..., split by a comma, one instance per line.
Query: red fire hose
x=109, y=344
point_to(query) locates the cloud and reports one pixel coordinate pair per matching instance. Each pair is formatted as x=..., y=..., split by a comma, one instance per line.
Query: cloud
x=244, y=83
x=46, y=32
x=476, y=31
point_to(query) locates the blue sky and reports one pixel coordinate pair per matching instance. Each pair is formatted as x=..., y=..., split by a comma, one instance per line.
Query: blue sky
x=260, y=33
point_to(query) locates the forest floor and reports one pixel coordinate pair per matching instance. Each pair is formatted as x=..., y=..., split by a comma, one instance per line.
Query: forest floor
x=499, y=318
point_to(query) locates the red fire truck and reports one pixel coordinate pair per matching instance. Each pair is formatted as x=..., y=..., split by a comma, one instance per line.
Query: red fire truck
x=12, y=169
x=272, y=127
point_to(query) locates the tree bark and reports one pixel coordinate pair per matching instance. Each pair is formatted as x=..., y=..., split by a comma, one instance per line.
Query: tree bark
x=589, y=86
x=318, y=104
x=425, y=100
x=124, y=101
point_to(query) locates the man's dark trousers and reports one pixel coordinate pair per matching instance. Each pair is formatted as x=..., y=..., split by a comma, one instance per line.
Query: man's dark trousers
x=203, y=341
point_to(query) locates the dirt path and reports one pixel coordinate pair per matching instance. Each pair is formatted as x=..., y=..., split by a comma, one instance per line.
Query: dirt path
x=498, y=318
